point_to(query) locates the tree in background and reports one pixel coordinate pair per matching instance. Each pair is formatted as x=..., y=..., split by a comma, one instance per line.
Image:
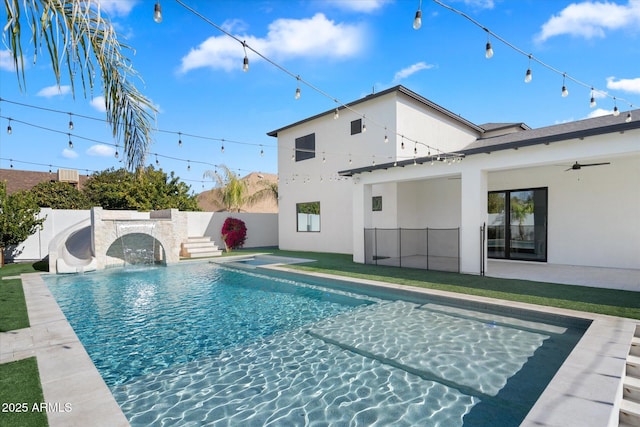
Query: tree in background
x=18, y=218
x=78, y=38
x=148, y=189
x=59, y=195
x=233, y=190
x=269, y=190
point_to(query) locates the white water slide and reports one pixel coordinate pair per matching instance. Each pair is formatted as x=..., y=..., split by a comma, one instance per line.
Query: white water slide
x=70, y=251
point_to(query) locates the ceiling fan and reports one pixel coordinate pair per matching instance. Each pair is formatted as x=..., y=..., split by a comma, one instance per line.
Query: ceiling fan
x=577, y=166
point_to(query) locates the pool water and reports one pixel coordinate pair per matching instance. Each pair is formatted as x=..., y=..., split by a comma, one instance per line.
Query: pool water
x=205, y=345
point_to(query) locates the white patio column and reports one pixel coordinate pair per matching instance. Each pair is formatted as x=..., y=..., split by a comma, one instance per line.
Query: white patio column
x=473, y=215
x=361, y=217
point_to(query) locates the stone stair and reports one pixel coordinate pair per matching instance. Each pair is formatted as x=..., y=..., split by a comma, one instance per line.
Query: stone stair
x=630, y=405
x=199, y=247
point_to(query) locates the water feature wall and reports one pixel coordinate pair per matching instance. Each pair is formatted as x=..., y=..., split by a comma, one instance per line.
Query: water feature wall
x=128, y=237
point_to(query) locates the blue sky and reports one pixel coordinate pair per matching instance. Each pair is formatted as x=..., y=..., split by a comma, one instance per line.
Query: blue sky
x=346, y=48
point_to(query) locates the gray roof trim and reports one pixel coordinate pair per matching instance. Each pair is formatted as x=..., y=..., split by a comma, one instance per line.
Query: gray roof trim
x=563, y=132
x=398, y=88
x=491, y=127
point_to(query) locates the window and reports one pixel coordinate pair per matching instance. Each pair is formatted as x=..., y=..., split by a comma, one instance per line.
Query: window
x=517, y=226
x=356, y=126
x=376, y=203
x=308, y=215
x=306, y=147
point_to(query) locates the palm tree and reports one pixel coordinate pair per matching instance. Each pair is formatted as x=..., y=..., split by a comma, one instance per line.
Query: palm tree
x=79, y=38
x=233, y=190
x=269, y=190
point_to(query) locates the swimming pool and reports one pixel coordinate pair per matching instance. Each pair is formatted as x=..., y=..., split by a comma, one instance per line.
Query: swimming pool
x=199, y=343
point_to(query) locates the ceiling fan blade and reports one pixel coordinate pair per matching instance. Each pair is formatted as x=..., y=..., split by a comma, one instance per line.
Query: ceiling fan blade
x=595, y=164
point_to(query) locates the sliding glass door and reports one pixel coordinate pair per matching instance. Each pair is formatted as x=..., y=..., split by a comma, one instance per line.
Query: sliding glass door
x=517, y=226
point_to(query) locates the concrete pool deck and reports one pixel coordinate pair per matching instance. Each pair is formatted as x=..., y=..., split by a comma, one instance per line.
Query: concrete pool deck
x=586, y=390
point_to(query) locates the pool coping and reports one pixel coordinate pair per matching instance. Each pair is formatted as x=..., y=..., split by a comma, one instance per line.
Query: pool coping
x=586, y=390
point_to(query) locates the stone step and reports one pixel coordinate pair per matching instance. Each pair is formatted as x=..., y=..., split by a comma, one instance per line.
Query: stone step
x=210, y=248
x=198, y=239
x=196, y=245
x=203, y=254
x=633, y=366
x=629, y=413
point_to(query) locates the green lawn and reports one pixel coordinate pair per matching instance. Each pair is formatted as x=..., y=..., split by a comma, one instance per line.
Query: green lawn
x=19, y=391
x=604, y=301
x=13, y=310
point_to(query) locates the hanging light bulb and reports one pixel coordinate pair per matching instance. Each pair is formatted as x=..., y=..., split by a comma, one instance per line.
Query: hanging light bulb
x=592, y=101
x=157, y=161
x=386, y=139
x=70, y=143
x=261, y=152
x=70, y=122
x=350, y=161
x=245, y=62
x=364, y=127
x=49, y=168
x=9, y=130
x=417, y=21
x=157, y=13
x=222, y=148
x=629, y=117
x=565, y=91
x=116, y=153
x=488, y=53
x=616, y=112
x=179, y=139
x=528, y=75
x=298, y=88
x=11, y=163
x=188, y=166
x=336, y=114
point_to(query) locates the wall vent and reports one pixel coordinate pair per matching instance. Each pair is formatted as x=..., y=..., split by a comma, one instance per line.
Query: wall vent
x=68, y=175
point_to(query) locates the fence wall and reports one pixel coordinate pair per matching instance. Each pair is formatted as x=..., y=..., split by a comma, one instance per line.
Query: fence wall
x=262, y=230
x=426, y=248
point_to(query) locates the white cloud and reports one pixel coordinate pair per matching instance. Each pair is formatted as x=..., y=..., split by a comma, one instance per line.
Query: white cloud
x=117, y=7
x=316, y=37
x=626, y=85
x=101, y=150
x=599, y=112
x=54, y=90
x=410, y=70
x=68, y=153
x=6, y=61
x=365, y=6
x=98, y=102
x=591, y=19
x=480, y=4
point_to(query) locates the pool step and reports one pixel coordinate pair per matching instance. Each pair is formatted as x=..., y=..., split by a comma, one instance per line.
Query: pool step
x=199, y=247
x=630, y=404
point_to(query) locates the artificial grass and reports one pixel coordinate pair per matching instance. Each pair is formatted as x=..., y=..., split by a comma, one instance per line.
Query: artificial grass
x=611, y=302
x=20, y=390
x=13, y=309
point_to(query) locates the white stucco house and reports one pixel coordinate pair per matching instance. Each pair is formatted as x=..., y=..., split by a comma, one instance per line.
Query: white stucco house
x=393, y=178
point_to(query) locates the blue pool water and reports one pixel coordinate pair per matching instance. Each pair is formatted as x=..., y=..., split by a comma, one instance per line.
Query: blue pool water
x=201, y=344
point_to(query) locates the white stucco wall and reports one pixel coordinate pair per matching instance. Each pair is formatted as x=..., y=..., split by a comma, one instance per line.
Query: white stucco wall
x=262, y=229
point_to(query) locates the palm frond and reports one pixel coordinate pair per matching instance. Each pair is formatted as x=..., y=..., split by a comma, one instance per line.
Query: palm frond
x=77, y=35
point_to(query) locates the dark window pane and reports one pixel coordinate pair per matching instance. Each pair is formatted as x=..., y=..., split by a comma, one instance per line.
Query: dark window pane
x=356, y=126
x=306, y=147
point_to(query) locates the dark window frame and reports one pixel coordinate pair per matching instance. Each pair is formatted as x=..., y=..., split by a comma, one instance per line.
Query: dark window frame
x=356, y=126
x=305, y=147
x=376, y=203
x=507, y=221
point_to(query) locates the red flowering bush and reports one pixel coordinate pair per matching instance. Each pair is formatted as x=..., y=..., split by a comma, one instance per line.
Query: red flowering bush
x=234, y=233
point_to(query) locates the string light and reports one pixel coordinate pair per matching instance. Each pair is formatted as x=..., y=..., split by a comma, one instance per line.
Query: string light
x=336, y=115
x=298, y=89
x=616, y=112
x=417, y=21
x=528, y=76
x=116, y=153
x=592, y=101
x=157, y=161
x=9, y=129
x=157, y=12
x=629, y=117
x=11, y=163
x=188, y=166
x=70, y=122
x=222, y=148
x=488, y=53
x=70, y=143
x=179, y=139
x=565, y=91
x=261, y=152
x=245, y=63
